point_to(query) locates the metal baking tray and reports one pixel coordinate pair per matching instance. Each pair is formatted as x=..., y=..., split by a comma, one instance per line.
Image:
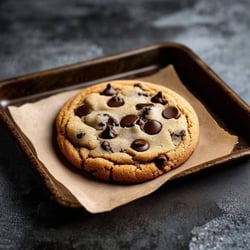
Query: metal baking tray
x=223, y=103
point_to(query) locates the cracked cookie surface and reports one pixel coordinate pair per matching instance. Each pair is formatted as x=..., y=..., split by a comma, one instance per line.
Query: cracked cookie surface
x=127, y=131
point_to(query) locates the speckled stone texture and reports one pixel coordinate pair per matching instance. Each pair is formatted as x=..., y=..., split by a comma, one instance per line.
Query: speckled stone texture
x=210, y=211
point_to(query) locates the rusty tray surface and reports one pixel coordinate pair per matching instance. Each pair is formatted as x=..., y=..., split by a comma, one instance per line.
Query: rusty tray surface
x=227, y=108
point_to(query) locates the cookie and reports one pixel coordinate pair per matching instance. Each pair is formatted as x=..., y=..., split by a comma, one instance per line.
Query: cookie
x=127, y=131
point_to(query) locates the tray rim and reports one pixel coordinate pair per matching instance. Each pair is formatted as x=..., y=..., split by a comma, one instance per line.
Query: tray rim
x=30, y=153
x=127, y=53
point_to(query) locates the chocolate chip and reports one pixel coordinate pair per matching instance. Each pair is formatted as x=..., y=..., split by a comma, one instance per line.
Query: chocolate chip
x=171, y=112
x=101, y=124
x=128, y=121
x=115, y=101
x=142, y=94
x=109, y=90
x=142, y=105
x=108, y=132
x=160, y=161
x=152, y=127
x=177, y=135
x=106, y=146
x=140, y=145
x=80, y=135
x=138, y=84
x=82, y=110
x=112, y=121
x=158, y=98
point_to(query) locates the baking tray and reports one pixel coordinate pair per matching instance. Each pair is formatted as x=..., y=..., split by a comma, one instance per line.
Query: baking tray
x=224, y=105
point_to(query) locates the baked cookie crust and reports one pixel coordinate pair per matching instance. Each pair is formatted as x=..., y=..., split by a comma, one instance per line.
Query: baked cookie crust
x=127, y=131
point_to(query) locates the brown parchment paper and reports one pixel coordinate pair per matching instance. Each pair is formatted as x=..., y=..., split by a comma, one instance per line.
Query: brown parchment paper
x=36, y=120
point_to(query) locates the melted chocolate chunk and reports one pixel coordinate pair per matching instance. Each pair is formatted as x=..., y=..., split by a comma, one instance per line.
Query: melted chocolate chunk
x=82, y=110
x=128, y=121
x=171, y=112
x=106, y=146
x=158, y=98
x=142, y=105
x=145, y=111
x=108, y=132
x=152, y=127
x=80, y=135
x=111, y=120
x=109, y=90
x=160, y=161
x=138, y=84
x=140, y=145
x=177, y=135
x=115, y=101
x=140, y=121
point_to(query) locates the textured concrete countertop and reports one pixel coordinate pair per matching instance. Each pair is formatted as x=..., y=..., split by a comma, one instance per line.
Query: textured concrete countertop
x=211, y=211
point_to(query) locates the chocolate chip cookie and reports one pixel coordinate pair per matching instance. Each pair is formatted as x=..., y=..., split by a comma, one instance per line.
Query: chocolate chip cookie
x=127, y=131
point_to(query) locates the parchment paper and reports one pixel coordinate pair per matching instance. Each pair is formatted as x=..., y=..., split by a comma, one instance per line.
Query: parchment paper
x=36, y=120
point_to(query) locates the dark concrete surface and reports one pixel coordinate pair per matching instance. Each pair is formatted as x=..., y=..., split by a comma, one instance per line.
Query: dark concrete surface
x=208, y=211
